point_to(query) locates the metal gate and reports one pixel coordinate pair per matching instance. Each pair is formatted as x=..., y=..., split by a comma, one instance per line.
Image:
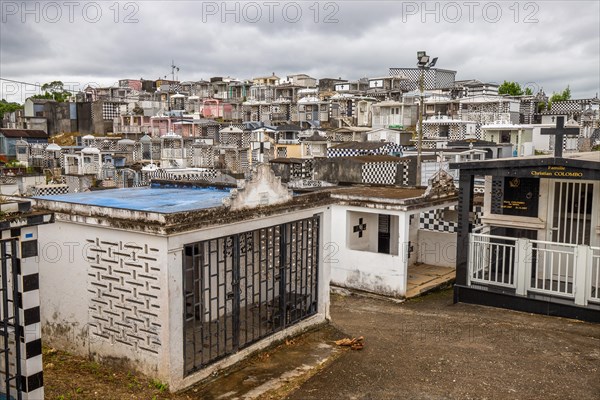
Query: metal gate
x=10, y=327
x=244, y=287
x=572, y=212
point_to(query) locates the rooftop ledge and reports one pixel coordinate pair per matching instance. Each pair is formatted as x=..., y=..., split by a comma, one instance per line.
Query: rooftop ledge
x=202, y=215
x=169, y=210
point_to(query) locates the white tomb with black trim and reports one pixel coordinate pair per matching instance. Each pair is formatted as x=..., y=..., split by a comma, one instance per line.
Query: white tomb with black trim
x=379, y=232
x=538, y=249
x=181, y=282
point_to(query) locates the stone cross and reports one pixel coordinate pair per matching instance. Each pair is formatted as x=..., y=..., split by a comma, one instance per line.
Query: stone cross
x=559, y=133
x=360, y=227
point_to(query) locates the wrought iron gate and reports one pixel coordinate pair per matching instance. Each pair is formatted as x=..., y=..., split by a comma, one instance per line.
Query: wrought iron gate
x=244, y=287
x=10, y=327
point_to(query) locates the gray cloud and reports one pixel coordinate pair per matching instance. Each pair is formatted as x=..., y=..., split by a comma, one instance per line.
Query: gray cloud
x=549, y=44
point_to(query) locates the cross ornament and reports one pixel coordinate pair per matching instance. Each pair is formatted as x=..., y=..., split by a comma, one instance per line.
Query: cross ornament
x=559, y=133
x=360, y=228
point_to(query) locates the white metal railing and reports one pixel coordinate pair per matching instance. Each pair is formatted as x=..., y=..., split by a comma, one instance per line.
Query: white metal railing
x=172, y=153
x=558, y=269
x=594, y=294
x=553, y=267
x=492, y=259
x=132, y=129
x=388, y=120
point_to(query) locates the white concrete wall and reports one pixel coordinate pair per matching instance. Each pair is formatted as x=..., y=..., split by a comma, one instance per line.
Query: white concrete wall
x=9, y=189
x=365, y=270
x=28, y=108
x=437, y=248
x=68, y=285
x=367, y=241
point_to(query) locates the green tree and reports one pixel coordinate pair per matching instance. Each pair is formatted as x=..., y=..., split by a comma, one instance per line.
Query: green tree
x=562, y=96
x=528, y=92
x=6, y=107
x=54, y=90
x=510, y=88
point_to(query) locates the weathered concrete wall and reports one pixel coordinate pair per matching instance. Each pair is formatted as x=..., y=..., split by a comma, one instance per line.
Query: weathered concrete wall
x=59, y=118
x=103, y=294
x=347, y=170
x=79, y=183
x=99, y=125
x=9, y=189
x=282, y=170
x=368, y=240
x=84, y=118
x=26, y=183
x=265, y=188
x=437, y=248
x=338, y=170
x=116, y=295
x=364, y=270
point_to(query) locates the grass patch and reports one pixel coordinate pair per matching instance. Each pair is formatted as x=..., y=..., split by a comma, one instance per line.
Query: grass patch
x=158, y=385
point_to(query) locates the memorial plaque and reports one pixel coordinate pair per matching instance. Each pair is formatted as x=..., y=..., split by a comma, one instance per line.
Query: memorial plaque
x=521, y=197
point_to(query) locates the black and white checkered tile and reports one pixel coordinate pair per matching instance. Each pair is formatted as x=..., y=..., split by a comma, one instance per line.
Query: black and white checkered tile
x=24, y=232
x=432, y=78
x=478, y=214
x=110, y=110
x=307, y=169
x=568, y=106
x=282, y=152
x=383, y=173
x=405, y=167
x=51, y=190
x=433, y=221
x=345, y=152
x=332, y=152
x=208, y=175
x=296, y=171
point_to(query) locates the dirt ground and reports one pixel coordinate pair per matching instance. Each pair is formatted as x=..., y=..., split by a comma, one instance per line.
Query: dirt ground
x=430, y=348
x=268, y=375
x=68, y=377
x=426, y=348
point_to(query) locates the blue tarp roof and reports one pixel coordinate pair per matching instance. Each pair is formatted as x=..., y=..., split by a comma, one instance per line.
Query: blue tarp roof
x=160, y=200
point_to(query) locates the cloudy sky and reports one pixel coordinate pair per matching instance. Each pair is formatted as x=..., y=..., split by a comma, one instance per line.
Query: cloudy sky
x=540, y=44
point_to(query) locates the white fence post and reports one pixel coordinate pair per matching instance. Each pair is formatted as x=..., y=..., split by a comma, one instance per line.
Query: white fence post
x=522, y=265
x=470, y=259
x=594, y=275
x=583, y=260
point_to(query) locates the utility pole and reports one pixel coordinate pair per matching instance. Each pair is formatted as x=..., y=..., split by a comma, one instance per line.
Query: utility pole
x=423, y=64
x=173, y=66
x=420, y=133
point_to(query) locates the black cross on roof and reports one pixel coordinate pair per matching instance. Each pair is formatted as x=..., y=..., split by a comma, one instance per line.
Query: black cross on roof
x=360, y=227
x=559, y=132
